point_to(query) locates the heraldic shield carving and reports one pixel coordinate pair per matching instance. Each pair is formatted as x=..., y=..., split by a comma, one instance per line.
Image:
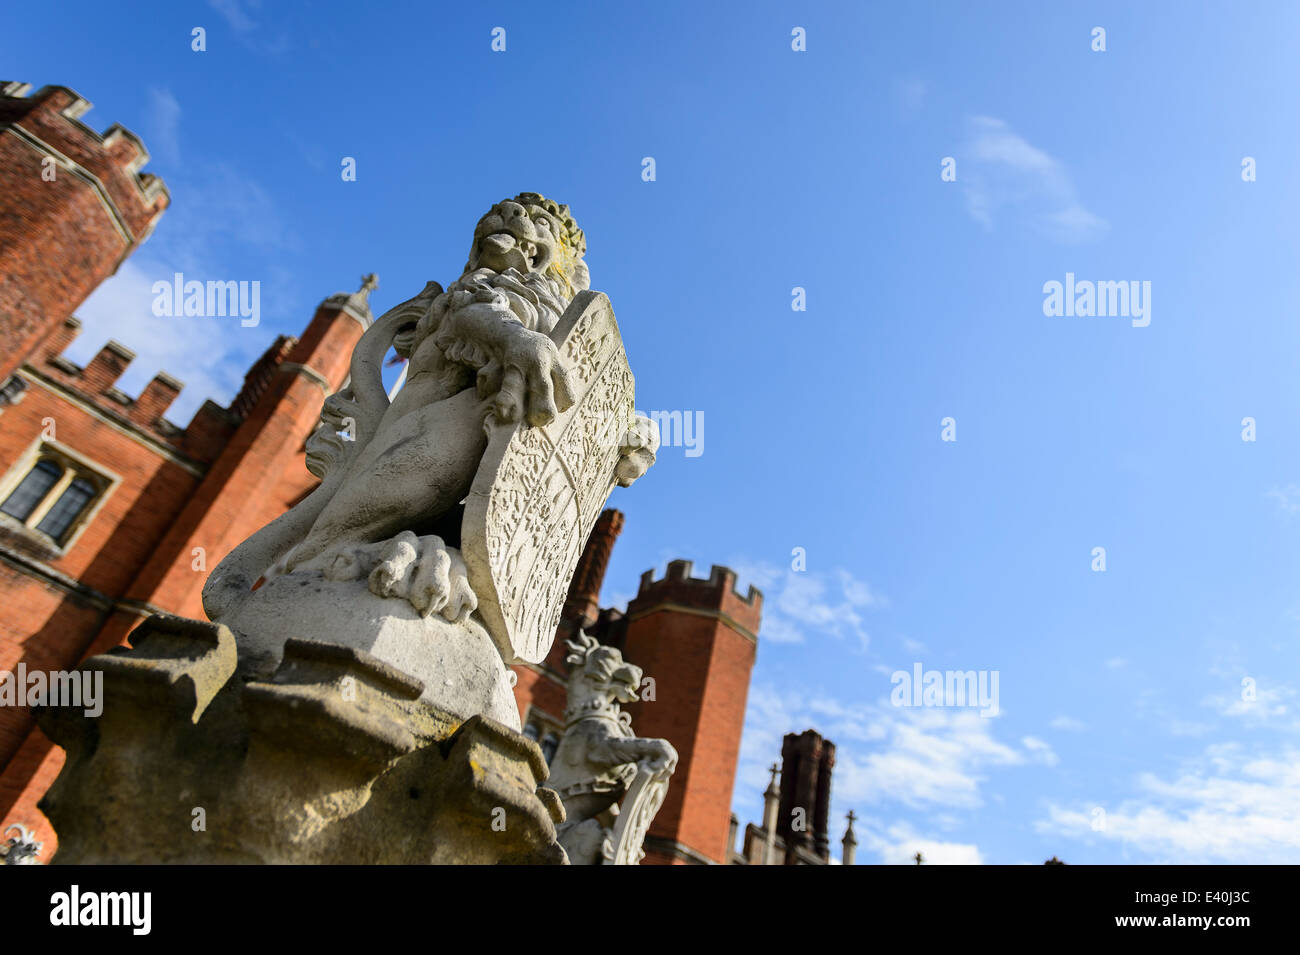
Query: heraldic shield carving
x=539, y=490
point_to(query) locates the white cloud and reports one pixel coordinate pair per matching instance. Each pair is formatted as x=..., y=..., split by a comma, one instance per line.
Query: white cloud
x=899, y=844
x=233, y=12
x=1040, y=750
x=1269, y=704
x=1068, y=723
x=164, y=120
x=218, y=216
x=917, y=757
x=1005, y=176
x=208, y=355
x=258, y=37
x=1116, y=663
x=1288, y=498
x=799, y=602
x=1228, y=805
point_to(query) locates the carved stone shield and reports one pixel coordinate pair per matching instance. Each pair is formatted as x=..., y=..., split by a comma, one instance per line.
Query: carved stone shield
x=637, y=811
x=539, y=490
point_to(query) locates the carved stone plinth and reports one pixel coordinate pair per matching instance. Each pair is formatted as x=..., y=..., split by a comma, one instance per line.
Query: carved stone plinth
x=457, y=663
x=335, y=759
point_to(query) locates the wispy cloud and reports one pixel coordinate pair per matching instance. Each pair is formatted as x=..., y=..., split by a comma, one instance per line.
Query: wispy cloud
x=1258, y=705
x=797, y=603
x=898, y=844
x=1229, y=805
x=915, y=757
x=243, y=18
x=164, y=119
x=1040, y=750
x=1288, y=498
x=219, y=216
x=1068, y=723
x=234, y=13
x=1007, y=177
x=208, y=355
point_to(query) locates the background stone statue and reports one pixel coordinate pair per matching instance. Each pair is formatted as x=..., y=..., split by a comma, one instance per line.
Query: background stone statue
x=601, y=762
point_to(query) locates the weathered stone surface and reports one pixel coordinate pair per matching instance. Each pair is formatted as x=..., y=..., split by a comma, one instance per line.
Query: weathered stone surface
x=610, y=781
x=459, y=507
x=351, y=701
x=335, y=759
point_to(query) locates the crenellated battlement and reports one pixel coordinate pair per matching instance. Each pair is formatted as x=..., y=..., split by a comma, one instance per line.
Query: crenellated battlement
x=49, y=121
x=720, y=580
x=95, y=384
x=716, y=593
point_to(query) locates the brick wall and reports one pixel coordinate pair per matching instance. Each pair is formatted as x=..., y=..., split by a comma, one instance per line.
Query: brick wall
x=60, y=238
x=697, y=639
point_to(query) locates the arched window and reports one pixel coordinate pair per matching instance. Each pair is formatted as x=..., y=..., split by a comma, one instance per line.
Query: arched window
x=549, y=745
x=31, y=490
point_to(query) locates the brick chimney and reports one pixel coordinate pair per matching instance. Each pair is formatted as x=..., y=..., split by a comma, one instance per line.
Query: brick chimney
x=582, y=606
x=806, y=763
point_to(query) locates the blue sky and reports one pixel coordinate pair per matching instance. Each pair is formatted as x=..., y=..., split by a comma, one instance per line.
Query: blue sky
x=1123, y=734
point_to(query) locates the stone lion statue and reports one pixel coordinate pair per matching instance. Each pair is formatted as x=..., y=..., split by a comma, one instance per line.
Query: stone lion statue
x=394, y=475
x=600, y=758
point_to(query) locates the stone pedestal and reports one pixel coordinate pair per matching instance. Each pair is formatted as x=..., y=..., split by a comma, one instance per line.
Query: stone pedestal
x=456, y=662
x=335, y=759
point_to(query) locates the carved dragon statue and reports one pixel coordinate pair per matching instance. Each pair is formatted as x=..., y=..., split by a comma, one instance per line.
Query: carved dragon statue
x=601, y=761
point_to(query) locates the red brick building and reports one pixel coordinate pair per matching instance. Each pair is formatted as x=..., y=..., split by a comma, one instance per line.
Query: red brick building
x=110, y=512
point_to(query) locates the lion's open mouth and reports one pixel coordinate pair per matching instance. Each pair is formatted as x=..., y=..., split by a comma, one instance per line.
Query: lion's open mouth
x=505, y=249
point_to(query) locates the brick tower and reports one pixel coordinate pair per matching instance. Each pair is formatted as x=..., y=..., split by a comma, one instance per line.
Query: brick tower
x=697, y=639
x=75, y=206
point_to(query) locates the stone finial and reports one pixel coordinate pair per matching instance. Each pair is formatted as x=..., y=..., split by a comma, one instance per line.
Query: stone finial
x=369, y=282
x=850, y=841
x=771, y=804
x=357, y=303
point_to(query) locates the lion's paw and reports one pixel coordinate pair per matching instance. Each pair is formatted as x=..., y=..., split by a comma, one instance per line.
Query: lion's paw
x=425, y=572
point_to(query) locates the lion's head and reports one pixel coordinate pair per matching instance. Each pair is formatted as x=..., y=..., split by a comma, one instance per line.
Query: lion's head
x=531, y=234
x=599, y=676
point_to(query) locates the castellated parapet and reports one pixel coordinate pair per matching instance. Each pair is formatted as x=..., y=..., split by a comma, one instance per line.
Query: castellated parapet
x=76, y=205
x=95, y=385
x=715, y=594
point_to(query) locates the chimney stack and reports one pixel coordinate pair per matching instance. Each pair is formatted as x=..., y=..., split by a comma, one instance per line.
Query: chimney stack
x=807, y=760
x=582, y=606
